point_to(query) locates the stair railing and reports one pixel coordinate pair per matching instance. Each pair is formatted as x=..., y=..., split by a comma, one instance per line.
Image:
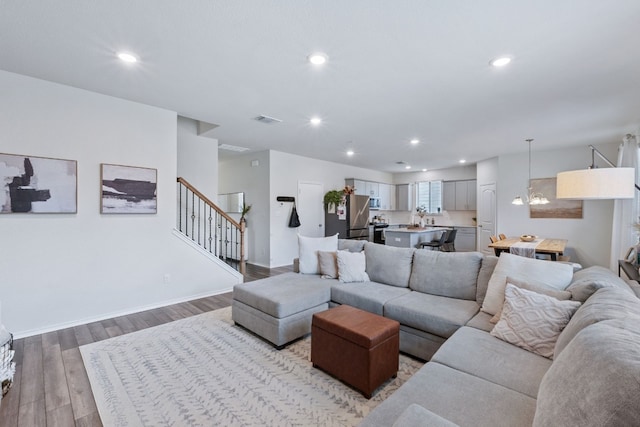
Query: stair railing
x=210, y=227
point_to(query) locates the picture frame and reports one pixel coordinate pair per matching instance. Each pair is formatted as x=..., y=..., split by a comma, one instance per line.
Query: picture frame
x=631, y=256
x=128, y=189
x=556, y=208
x=38, y=185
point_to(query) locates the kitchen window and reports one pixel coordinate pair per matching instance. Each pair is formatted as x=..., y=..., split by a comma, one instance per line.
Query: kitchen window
x=429, y=195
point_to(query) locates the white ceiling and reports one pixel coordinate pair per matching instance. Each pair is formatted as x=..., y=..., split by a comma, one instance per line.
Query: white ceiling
x=397, y=70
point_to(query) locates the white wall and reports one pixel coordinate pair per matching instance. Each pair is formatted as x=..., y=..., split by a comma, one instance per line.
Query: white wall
x=237, y=175
x=286, y=171
x=64, y=269
x=589, y=239
x=197, y=158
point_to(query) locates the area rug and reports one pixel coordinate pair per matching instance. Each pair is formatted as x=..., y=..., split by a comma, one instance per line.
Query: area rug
x=204, y=371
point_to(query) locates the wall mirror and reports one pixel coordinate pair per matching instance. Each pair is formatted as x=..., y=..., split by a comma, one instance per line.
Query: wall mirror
x=231, y=202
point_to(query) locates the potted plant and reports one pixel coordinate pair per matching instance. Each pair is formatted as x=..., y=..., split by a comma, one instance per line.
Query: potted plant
x=333, y=197
x=245, y=210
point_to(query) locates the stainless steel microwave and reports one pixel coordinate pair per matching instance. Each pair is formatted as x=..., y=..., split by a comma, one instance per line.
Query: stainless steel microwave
x=374, y=203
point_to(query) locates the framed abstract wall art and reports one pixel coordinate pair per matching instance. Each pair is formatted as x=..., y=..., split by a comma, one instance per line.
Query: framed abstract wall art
x=33, y=184
x=128, y=189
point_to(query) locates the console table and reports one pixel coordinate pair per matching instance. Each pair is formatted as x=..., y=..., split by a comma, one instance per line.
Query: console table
x=629, y=269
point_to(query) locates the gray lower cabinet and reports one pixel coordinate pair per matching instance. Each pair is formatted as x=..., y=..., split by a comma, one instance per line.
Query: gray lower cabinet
x=465, y=239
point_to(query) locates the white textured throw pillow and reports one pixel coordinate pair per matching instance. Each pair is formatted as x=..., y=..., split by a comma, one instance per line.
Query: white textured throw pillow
x=553, y=274
x=352, y=266
x=308, y=248
x=533, y=321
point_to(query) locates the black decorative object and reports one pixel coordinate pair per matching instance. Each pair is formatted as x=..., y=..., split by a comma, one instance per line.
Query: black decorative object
x=294, y=221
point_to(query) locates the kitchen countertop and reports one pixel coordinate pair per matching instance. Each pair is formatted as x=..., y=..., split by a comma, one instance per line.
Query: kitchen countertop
x=416, y=230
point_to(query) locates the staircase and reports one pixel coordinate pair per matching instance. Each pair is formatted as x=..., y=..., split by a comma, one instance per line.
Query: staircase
x=206, y=225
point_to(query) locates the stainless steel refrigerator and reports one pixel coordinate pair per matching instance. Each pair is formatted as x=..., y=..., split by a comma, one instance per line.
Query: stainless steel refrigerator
x=353, y=223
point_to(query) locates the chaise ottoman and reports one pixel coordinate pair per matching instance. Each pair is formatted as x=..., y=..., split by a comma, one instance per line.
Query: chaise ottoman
x=357, y=347
x=279, y=308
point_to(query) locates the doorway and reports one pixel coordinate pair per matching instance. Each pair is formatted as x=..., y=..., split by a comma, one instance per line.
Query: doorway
x=486, y=217
x=311, y=208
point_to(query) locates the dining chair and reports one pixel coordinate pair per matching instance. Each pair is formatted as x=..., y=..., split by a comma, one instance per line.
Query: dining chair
x=435, y=244
x=493, y=239
x=502, y=236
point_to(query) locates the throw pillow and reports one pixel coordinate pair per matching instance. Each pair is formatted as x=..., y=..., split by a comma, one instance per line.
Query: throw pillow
x=328, y=262
x=352, y=266
x=308, y=248
x=553, y=274
x=533, y=321
x=539, y=288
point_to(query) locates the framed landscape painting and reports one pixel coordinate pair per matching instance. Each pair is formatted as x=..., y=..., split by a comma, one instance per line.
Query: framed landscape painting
x=556, y=208
x=128, y=189
x=38, y=184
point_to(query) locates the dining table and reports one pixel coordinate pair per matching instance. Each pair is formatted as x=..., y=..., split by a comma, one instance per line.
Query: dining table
x=552, y=247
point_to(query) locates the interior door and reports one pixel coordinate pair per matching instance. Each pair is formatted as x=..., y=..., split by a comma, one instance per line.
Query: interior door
x=310, y=208
x=486, y=217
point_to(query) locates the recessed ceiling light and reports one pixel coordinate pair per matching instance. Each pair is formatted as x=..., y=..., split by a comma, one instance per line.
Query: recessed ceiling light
x=424, y=170
x=408, y=167
x=500, y=62
x=415, y=141
x=350, y=152
x=128, y=57
x=462, y=161
x=318, y=58
x=315, y=121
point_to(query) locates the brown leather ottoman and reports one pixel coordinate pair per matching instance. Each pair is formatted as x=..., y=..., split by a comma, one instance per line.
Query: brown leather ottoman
x=357, y=347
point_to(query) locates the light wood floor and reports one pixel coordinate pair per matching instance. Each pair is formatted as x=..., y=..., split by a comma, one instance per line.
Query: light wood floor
x=51, y=387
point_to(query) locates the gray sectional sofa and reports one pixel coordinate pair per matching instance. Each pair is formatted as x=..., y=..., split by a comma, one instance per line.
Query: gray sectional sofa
x=471, y=378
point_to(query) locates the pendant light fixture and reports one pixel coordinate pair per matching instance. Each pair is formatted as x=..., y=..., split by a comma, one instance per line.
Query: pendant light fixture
x=532, y=198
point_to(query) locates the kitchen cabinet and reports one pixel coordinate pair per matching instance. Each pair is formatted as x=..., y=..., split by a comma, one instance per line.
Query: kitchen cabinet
x=459, y=195
x=372, y=189
x=360, y=186
x=387, y=197
x=403, y=197
x=465, y=239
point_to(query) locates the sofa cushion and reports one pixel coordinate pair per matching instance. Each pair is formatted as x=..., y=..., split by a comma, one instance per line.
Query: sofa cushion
x=481, y=321
x=553, y=274
x=351, y=267
x=532, y=286
x=388, y=264
x=586, y=282
x=283, y=295
x=417, y=416
x=448, y=274
x=328, y=264
x=458, y=397
x=595, y=381
x=308, y=248
x=441, y=316
x=607, y=303
x=369, y=296
x=486, y=271
x=351, y=245
x=479, y=354
x=533, y=321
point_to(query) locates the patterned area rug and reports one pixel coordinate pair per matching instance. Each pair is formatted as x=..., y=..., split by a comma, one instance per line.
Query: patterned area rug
x=203, y=371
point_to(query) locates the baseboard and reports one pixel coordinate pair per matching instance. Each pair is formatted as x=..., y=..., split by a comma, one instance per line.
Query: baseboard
x=59, y=326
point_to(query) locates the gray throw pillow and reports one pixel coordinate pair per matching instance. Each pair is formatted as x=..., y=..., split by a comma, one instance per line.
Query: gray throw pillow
x=586, y=282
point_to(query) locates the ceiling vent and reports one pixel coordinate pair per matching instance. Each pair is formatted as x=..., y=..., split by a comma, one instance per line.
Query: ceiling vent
x=401, y=163
x=267, y=120
x=232, y=148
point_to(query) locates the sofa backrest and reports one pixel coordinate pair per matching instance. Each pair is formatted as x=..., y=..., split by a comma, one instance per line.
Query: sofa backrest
x=388, y=264
x=595, y=381
x=447, y=274
x=606, y=304
x=586, y=282
x=351, y=245
x=488, y=265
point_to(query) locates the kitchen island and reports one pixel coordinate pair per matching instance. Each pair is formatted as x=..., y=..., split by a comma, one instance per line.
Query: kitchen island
x=412, y=237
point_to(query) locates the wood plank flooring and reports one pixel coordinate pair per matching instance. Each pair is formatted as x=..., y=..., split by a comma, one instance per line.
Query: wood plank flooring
x=51, y=387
